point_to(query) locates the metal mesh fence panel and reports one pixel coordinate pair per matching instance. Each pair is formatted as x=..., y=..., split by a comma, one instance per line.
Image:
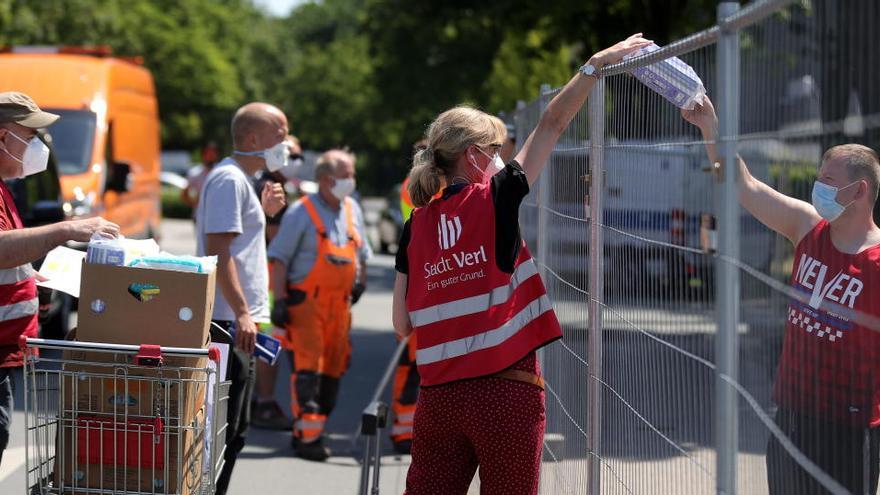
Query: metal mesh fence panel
x=632, y=396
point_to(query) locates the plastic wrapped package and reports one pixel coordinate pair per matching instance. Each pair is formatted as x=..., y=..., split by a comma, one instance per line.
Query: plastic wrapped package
x=672, y=78
x=105, y=251
x=166, y=261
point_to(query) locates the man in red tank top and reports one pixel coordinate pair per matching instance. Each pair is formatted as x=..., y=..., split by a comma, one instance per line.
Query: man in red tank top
x=22, y=153
x=827, y=386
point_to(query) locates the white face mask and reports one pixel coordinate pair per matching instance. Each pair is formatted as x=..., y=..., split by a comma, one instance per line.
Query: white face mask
x=825, y=200
x=293, y=166
x=289, y=172
x=276, y=156
x=497, y=163
x=495, y=166
x=342, y=188
x=35, y=158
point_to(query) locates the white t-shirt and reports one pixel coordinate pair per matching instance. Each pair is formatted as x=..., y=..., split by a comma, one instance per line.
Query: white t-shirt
x=229, y=204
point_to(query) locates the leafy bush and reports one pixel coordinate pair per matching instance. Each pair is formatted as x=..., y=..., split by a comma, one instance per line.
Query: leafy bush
x=172, y=204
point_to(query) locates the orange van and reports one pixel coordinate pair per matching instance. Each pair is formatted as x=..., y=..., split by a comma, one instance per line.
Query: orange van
x=107, y=139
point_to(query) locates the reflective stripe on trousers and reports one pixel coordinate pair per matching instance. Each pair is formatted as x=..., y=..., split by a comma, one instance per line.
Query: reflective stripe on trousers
x=485, y=340
x=401, y=430
x=309, y=428
x=474, y=304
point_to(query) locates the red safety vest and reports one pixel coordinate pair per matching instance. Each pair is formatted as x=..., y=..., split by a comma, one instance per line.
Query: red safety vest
x=470, y=318
x=18, y=297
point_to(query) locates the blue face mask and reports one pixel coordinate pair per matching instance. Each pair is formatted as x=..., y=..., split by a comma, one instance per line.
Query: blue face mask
x=825, y=200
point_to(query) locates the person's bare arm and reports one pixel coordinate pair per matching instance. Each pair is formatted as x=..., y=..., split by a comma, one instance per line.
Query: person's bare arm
x=564, y=106
x=189, y=196
x=227, y=279
x=21, y=246
x=399, y=314
x=787, y=216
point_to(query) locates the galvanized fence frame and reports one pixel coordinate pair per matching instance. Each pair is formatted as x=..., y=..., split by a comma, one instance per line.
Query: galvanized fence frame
x=726, y=38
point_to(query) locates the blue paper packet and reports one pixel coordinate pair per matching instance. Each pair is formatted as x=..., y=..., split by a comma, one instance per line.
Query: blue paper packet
x=268, y=348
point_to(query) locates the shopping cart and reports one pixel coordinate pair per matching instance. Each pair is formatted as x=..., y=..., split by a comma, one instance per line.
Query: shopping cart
x=373, y=420
x=122, y=419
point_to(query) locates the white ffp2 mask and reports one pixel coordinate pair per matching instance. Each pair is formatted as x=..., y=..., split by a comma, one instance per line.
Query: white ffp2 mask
x=276, y=156
x=35, y=158
x=342, y=188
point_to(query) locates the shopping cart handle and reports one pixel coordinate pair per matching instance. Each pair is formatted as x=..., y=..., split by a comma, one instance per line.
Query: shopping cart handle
x=214, y=354
x=67, y=345
x=149, y=355
x=374, y=418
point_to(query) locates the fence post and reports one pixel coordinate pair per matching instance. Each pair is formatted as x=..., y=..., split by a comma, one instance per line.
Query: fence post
x=728, y=283
x=543, y=197
x=596, y=116
x=543, y=204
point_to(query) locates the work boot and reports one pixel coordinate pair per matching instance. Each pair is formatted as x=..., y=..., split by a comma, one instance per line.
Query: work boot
x=269, y=416
x=312, y=451
x=403, y=447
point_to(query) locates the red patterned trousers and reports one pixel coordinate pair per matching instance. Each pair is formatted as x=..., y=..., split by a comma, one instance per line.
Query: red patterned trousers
x=495, y=424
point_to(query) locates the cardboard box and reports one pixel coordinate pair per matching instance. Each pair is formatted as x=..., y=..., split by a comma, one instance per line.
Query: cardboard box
x=94, y=456
x=174, y=395
x=123, y=305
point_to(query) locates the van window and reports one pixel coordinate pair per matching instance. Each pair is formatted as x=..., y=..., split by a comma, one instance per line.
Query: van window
x=73, y=136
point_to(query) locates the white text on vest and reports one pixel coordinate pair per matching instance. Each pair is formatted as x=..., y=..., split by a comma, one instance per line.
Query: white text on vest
x=462, y=259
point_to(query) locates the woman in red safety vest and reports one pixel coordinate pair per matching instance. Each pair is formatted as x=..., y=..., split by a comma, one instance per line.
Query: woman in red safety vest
x=469, y=289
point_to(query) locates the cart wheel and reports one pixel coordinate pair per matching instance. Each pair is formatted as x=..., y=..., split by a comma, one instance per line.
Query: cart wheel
x=38, y=489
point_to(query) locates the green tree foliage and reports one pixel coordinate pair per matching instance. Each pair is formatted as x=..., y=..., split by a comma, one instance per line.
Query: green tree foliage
x=201, y=52
x=370, y=74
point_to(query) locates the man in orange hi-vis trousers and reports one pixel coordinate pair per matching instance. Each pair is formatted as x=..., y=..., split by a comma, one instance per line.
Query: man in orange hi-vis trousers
x=318, y=271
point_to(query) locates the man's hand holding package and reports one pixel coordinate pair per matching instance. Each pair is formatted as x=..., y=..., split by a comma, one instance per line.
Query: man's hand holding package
x=82, y=230
x=246, y=333
x=273, y=198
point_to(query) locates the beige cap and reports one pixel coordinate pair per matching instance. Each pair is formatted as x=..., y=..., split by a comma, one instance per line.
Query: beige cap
x=21, y=109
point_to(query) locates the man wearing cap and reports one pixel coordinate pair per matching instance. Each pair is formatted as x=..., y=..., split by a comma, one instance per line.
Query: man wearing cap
x=22, y=153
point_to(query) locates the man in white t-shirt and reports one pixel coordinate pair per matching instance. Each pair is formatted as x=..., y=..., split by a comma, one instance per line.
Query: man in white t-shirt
x=231, y=224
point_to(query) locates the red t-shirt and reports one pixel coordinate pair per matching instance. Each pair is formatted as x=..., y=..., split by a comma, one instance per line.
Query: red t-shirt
x=12, y=293
x=830, y=364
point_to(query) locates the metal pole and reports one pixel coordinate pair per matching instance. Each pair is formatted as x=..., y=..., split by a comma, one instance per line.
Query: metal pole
x=728, y=285
x=377, y=463
x=543, y=195
x=596, y=108
x=543, y=202
x=365, y=467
